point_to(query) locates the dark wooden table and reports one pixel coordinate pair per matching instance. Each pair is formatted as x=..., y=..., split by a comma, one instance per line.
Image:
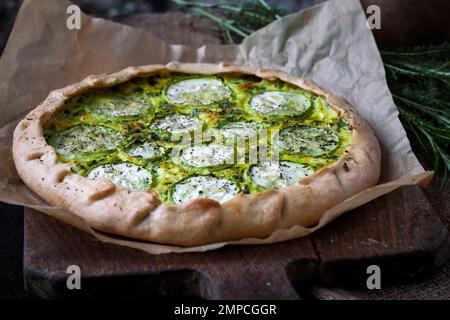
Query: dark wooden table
x=399, y=232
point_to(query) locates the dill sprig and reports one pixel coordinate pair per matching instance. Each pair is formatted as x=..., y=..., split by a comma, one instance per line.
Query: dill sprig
x=418, y=77
x=237, y=20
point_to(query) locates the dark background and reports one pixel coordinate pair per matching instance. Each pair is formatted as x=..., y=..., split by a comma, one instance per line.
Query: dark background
x=403, y=22
x=114, y=9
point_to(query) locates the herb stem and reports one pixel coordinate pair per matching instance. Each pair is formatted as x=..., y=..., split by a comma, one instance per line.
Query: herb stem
x=421, y=107
x=401, y=70
x=413, y=70
x=414, y=54
x=222, y=22
x=197, y=4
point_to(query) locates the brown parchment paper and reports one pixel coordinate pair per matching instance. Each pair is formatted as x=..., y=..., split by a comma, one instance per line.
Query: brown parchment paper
x=328, y=43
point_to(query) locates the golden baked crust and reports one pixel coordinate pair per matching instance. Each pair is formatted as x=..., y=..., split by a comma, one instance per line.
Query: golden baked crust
x=139, y=214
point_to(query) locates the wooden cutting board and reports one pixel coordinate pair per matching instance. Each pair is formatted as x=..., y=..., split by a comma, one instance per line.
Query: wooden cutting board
x=399, y=232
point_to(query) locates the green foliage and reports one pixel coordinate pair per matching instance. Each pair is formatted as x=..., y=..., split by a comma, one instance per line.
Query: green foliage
x=236, y=20
x=419, y=79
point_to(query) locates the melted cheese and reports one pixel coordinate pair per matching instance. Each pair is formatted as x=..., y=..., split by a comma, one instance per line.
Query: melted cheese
x=83, y=139
x=204, y=187
x=119, y=106
x=177, y=124
x=198, y=91
x=311, y=141
x=239, y=130
x=207, y=155
x=278, y=103
x=146, y=150
x=278, y=175
x=127, y=175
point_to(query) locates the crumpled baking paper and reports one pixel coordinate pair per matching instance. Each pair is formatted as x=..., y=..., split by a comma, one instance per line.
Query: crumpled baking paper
x=328, y=43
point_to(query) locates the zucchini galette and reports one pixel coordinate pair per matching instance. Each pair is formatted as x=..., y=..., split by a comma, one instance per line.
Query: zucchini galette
x=190, y=154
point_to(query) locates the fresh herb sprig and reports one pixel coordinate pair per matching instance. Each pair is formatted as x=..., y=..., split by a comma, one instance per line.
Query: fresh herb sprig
x=419, y=79
x=236, y=20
